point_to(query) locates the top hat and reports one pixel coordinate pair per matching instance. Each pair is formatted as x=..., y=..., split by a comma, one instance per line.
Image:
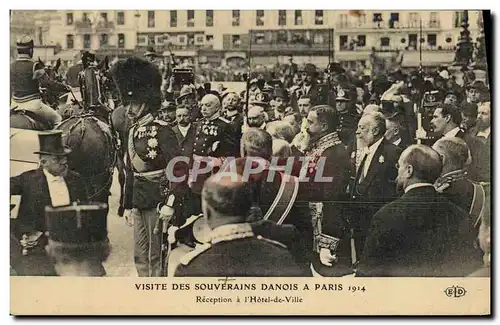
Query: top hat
x=77, y=223
x=151, y=52
x=335, y=68
x=51, y=143
x=25, y=42
x=280, y=92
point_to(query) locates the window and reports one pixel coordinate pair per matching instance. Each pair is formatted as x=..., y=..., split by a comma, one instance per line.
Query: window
x=190, y=39
x=173, y=18
x=260, y=38
x=120, y=18
x=282, y=18
x=282, y=37
x=377, y=19
x=298, y=17
x=86, y=41
x=432, y=40
x=151, y=40
x=236, y=41
x=69, y=18
x=210, y=18
x=343, y=21
x=70, y=41
x=385, y=41
x=433, y=20
x=121, y=41
x=412, y=42
x=362, y=19
x=318, y=38
x=394, y=21
x=190, y=18
x=209, y=38
x=85, y=17
x=343, y=42
x=104, y=17
x=236, y=18
x=361, y=40
x=318, y=17
x=459, y=18
x=151, y=19
x=259, y=21
x=414, y=19
x=103, y=39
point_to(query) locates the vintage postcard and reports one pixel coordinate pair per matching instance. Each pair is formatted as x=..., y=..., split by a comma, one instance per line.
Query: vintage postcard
x=250, y=162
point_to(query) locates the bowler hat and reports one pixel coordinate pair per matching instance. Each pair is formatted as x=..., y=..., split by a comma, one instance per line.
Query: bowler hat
x=77, y=223
x=25, y=42
x=51, y=143
x=280, y=92
x=151, y=52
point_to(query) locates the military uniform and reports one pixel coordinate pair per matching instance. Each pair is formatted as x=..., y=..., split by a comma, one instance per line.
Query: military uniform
x=346, y=126
x=151, y=146
x=235, y=251
x=214, y=137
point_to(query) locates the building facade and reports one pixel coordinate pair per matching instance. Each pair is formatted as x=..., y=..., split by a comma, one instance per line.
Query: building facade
x=228, y=36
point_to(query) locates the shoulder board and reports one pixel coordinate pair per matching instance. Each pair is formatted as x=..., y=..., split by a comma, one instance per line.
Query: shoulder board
x=274, y=242
x=442, y=187
x=224, y=119
x=188, y=257
x=160, y=122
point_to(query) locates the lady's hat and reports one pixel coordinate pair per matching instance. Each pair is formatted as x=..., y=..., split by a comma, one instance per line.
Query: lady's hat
x=25, y=42
x=51, y=143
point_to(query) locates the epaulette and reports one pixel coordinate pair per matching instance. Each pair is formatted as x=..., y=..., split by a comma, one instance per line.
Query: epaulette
x=274, y=242
x=224, y=119
x=440, y=188
x=199, y=249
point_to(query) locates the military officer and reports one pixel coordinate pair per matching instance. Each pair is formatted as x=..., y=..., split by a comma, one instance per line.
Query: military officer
x=234, y=248
x=348, y=119
x=25, y=83
x=153, y=194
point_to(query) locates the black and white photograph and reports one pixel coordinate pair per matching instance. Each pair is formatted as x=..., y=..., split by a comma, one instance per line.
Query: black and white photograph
x=347, y=144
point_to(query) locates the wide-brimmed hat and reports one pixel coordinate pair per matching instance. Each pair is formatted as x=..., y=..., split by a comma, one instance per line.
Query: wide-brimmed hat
x=51, y=143
x=478, y=85
x=25, y=42
x=186, y=90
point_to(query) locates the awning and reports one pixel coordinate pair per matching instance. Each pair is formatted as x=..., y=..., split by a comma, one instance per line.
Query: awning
x=429, y=58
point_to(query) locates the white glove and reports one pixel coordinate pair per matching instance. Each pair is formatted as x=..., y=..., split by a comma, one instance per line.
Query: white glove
x=171, y=234
x=421, y=134
x=129, y=217
x=166, y=213
x=326, y=257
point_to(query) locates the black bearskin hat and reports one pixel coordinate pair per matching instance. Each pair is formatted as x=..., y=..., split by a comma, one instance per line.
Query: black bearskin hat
x=138, y=81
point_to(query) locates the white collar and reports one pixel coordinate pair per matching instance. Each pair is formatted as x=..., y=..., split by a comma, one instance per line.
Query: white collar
x=52, y=178
x=397, y=142
x=374, y=147
x=412, y=186
x=485, y=133
x=452, y=133
x=184, y=128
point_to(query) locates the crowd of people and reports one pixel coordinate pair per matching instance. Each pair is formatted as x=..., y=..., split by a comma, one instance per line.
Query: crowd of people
x=373, y=176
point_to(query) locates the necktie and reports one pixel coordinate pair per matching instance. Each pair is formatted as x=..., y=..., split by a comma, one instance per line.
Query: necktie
x=361, y=173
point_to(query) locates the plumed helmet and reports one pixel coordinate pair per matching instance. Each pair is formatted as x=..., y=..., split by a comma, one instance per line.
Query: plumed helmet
x=138, y=81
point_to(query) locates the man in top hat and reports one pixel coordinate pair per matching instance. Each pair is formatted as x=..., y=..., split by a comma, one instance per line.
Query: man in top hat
x=308, y=85
x=348, y=119
x=77, y=239
x=156, y=193
x=24, y=83
x=52, y=184
x=279, y=102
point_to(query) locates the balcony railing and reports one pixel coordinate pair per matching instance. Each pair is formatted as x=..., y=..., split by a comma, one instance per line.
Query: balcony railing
x=83, y=26
x=173, y=47
x=105, y=26
x=389, y=25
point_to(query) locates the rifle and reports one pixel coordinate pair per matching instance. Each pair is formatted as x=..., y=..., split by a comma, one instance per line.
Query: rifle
x=247, y=99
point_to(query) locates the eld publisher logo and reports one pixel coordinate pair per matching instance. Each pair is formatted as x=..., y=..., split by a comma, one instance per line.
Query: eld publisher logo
x=455, y=292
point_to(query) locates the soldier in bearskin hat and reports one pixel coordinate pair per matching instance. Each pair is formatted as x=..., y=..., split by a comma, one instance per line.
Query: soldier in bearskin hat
x=153, y=195
x=24, y=83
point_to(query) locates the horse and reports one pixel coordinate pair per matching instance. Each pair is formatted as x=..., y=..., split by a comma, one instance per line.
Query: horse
x=90, y=138
x=23, y=119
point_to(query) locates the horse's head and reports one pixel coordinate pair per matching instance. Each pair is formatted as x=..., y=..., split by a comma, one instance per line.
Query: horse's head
x=51, y=71
x=94, y=81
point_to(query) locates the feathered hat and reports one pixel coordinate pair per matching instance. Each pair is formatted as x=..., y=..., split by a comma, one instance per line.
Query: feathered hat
x=138, y=81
